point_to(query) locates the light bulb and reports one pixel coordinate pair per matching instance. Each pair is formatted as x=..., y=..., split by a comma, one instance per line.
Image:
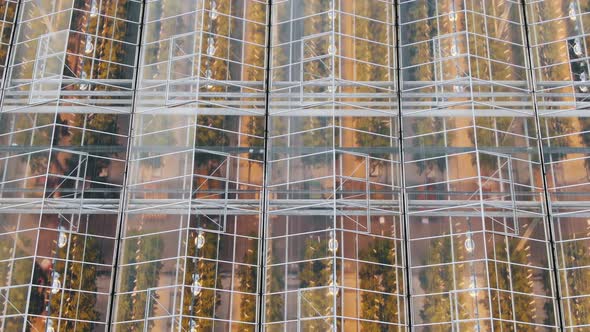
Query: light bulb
x=452, y=16
x=55, y=283
x=88, y=46
x=472, y=286
x=454, y=50
x=584, y=79
x=196, y=286
x=62, y=239
x=208, y=76
x=49, y=327
x=200, y=240
x=211, y=47
x=41, y=68
x=333, y=245
x=469, y=245
x=578, y=46
x=572, y=11
x=331, y=11
x=93, y=9
x=83, y=85
x=332, y=48
x=458, y=87
x=333, y=289
x=156, y=71
x=213, y=13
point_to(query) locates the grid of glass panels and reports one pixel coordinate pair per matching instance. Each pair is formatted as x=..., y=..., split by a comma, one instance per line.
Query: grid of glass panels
x=63, y=129
x=559, y=36
x=189, y=251
x=7, y=18
x=334, y=255
x=374, y=165
x=478, y=243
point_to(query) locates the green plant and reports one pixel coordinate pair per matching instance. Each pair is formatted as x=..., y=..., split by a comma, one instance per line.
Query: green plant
x=200, y=301
x=576, y=256
x=512, y=277
x=316, y=272
x=558, y=128
x=436, y=308
x=490, y=139
x=139, y=276
x=382, y=278
x=8, y=11
x=15, y=273
x=430, y=137
x=76, y=300
x=247, y=275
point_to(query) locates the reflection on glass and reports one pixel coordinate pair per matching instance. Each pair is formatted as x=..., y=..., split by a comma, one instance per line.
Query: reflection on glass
x=197, y=147
x=64, y=123
x=560, y=66
x=332, y=151
x=467, y=116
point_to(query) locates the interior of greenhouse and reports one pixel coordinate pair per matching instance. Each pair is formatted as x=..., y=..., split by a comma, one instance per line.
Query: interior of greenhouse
x=294, y=165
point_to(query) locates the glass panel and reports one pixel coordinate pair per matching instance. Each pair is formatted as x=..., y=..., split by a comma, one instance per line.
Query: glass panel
x=64, y=126
x=191, y=230
x=294, y=165
x=334, y=230
x=474, y=189
x=559, y=39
